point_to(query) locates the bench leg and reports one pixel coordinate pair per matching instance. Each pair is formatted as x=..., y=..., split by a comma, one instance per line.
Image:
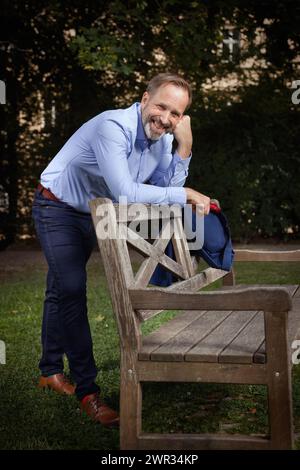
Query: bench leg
x=130, y=411
x=280, y=412
x=279, y=382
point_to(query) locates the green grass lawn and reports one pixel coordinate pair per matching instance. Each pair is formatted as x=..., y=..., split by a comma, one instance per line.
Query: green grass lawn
x=34, y=419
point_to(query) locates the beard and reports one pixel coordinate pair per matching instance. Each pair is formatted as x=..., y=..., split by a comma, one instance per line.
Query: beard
x=150, y=133
x=150, y=125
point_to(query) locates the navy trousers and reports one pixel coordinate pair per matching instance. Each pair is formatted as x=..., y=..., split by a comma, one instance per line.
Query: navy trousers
x=67, y=238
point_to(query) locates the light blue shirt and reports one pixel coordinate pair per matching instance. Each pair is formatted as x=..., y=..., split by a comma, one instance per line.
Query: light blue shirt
x=110, y=156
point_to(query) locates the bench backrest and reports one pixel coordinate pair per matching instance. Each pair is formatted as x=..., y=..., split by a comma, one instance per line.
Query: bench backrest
x=117, y=228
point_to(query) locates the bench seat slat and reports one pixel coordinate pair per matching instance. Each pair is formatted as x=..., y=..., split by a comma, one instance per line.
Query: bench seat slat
x=243, y=347
x=154, y=340
x=215, y=336
x=212, y=345
x=176, y=348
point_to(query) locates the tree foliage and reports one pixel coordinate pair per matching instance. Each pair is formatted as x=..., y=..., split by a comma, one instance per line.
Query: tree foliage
x=78, y=58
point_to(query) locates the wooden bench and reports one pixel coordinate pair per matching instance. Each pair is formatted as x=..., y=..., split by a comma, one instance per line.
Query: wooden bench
x=235, y=334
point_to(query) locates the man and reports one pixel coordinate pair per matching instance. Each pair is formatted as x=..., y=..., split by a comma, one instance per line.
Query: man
x=124, y=152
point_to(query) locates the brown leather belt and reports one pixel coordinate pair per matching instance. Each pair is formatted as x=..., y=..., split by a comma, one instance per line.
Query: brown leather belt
x=46, y=193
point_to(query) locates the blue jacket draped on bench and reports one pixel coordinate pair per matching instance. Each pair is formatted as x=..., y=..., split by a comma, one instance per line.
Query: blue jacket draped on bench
x=216, y=250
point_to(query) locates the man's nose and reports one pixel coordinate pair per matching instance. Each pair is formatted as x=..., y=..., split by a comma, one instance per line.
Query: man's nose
x=165, y=117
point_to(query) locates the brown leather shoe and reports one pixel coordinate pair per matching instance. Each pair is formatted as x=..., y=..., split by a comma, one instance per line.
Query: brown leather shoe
x=99, y=411
x=57, y=382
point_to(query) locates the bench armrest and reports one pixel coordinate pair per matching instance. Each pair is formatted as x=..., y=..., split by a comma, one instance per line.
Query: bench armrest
x=275, y=299
x=267, y=255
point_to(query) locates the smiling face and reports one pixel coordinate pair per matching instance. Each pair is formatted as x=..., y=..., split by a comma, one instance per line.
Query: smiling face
x=162, y=110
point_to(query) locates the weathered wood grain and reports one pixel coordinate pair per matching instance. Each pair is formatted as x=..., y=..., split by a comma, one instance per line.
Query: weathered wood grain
x=236, y=334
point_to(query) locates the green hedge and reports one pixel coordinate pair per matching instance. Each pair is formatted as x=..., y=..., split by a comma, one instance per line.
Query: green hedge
x=247, y=156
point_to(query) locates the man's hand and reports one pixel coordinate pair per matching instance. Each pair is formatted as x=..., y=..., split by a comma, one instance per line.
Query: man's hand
x=198, y=199
x=183, y=135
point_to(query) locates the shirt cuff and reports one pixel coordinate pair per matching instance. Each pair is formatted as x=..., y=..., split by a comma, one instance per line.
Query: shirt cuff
x=184, y=162
x=176, y=195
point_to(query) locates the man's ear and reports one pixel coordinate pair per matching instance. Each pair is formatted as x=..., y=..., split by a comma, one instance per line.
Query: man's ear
x=145, y=98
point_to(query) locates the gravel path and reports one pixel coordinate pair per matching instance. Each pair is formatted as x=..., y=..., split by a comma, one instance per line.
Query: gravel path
x=14, y=263
x=19, y=260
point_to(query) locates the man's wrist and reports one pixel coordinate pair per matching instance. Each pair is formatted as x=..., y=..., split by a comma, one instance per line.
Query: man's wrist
x=188, y=193
x=184, y=151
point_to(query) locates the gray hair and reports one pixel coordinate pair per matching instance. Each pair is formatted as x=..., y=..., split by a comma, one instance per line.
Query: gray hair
x=172, y=78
